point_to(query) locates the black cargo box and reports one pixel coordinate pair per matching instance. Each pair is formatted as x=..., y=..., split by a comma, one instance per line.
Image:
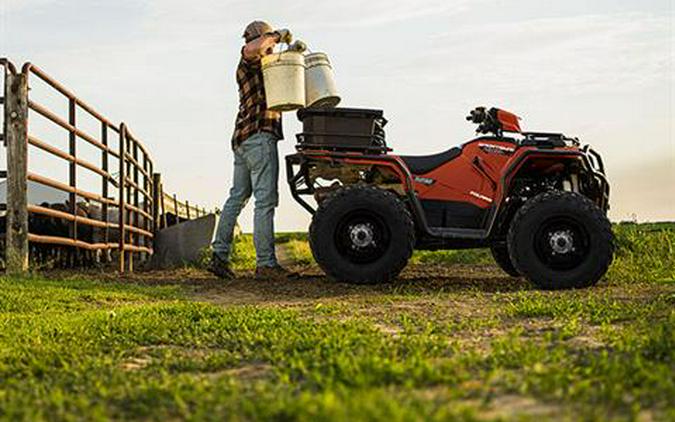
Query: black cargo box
x=342, y=129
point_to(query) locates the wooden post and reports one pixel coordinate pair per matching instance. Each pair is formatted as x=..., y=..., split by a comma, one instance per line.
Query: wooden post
x=16, y=122
x=164, y=223
x=175, y=206
x=156, y=193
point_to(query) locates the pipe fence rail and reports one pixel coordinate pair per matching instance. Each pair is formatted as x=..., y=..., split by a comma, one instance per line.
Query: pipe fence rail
x=120, y=218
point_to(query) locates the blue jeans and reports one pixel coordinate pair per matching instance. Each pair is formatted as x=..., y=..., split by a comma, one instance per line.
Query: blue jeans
x=256, y=171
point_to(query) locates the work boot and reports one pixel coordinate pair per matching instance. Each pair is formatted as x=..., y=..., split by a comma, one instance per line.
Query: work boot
x=220, y=268
x=276, y=272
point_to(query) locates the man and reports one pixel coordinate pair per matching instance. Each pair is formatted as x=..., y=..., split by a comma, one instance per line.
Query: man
x=256, y=161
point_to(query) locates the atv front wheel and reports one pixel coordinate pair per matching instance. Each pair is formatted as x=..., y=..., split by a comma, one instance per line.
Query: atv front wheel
x=500, y=253
x=362, y=234
x=561, y=240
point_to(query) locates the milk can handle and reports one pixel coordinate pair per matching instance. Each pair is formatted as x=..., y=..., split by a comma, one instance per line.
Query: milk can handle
x=288, y=46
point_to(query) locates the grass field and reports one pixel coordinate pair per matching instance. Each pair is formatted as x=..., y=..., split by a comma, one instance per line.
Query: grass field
x=454, y=338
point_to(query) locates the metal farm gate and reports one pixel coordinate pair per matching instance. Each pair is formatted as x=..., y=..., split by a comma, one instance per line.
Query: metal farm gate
x=118, y=220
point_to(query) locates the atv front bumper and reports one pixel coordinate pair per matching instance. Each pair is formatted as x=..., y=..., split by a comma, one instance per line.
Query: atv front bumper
x=596, y=166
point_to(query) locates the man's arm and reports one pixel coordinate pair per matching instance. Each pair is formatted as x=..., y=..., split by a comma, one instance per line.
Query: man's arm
x=260, y=46
x=264, y=44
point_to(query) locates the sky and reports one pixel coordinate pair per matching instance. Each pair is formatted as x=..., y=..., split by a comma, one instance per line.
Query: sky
x=600, y=70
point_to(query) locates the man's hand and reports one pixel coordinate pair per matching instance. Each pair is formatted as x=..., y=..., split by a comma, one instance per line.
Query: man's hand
x=264, y=44
x=284, y=36
x=298, y=46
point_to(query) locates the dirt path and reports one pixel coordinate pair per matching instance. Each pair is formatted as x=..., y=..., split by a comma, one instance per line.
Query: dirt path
x=473, y=296
x=462, y=291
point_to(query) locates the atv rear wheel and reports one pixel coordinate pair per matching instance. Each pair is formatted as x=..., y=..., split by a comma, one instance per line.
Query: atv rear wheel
x=362, y=234
x=561, y=240
x=500, y=253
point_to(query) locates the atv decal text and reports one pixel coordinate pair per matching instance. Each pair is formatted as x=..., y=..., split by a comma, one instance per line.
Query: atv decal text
x=496, y=149
x=479, y=196
x=424, y=180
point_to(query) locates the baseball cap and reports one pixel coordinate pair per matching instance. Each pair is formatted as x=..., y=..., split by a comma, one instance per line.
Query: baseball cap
x=255, y=29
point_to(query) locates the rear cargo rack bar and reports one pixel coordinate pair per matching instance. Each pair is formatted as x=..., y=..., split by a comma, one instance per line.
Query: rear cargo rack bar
x=334, y=135
x=343, y=148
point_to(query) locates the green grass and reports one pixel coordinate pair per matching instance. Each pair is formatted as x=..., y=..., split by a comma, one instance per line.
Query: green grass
x=243, y=253
x=644, y=252
x=461, y=256
x=295, y=244
x=432, y=349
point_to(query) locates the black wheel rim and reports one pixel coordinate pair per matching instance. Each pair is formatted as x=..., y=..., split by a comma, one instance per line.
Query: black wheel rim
x=562, y=243
x=362, y=237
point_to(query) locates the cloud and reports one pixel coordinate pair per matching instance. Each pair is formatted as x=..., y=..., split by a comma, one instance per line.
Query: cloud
x=356, y=13
x=587, y=53
x=307, y=14
x=18, y=5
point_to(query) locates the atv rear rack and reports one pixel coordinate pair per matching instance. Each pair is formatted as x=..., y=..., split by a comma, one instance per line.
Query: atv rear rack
x=343, y=142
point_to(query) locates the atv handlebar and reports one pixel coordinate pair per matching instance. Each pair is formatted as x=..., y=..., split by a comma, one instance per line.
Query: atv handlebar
x=485, y=119
x=477, y=115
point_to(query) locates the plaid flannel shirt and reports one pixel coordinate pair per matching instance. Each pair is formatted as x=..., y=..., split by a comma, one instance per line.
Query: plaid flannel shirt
x=253, y=116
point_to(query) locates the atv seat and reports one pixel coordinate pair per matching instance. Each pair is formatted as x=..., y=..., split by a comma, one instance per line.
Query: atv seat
x=425, y=163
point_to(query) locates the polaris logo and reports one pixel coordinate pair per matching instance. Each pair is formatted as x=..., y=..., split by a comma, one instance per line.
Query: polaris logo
x=479, y=196
x=496, y=149
x=424, y=180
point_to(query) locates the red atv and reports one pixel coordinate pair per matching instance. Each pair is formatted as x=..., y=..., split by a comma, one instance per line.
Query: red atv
x=537, y=200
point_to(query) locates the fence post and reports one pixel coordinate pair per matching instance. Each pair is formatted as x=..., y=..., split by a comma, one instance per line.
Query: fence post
x=134, y=220
x=104, y=186
x=156, y=193
x=16, y=122
x=163, y=223
x=150, y=225
x=121, y=183
x=129, y=214
x=72, y=174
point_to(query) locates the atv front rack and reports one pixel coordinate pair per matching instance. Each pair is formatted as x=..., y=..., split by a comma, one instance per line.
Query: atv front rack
x=594, y=159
